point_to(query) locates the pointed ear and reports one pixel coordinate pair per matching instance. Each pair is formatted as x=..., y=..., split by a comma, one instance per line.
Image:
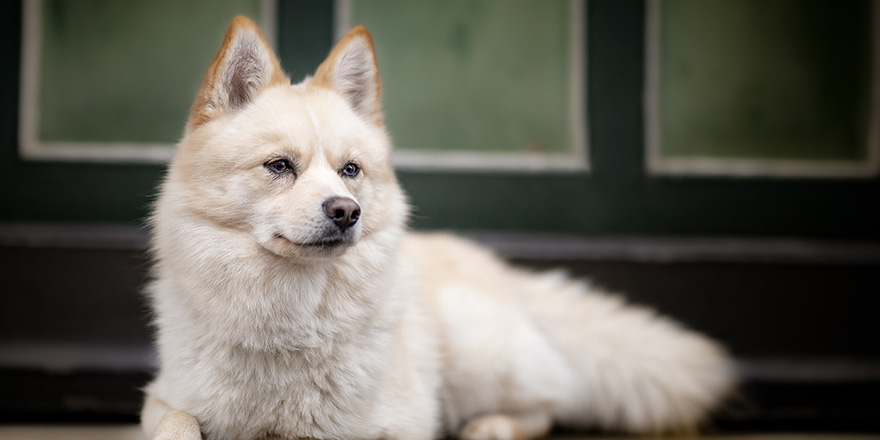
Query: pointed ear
x=351, y=70
x=244, y=66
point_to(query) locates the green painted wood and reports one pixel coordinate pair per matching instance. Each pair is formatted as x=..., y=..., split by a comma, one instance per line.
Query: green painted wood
x=305, y=35
x=616, y=198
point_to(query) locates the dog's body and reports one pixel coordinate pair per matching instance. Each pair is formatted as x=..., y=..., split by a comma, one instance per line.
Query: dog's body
x=291, y=303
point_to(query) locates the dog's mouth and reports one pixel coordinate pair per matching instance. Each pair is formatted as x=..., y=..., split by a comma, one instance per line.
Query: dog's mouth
x=325, y=243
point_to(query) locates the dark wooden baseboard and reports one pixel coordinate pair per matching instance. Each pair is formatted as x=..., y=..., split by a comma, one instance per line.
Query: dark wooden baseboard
x=799, y=315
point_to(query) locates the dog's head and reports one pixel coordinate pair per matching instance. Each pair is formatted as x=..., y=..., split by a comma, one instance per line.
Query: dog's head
x=303, y=170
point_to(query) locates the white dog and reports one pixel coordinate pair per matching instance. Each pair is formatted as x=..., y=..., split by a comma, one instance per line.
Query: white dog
x=291, y=303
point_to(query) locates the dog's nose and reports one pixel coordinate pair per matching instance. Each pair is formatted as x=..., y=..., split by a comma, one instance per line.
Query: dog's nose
x=343, y=211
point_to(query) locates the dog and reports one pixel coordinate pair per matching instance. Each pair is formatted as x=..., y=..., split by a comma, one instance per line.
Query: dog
x=290, y=301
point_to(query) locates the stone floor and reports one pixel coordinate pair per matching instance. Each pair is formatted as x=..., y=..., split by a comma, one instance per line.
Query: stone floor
x=133, y=433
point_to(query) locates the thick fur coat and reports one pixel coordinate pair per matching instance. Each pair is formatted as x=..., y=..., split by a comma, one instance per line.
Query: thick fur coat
x=290, y=302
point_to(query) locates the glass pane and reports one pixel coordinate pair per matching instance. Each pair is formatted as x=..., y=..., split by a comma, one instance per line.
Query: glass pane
x=758, y=80
x=113, y=71
x=477, y=76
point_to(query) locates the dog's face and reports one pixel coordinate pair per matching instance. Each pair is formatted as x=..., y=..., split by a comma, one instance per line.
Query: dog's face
x=302, y=170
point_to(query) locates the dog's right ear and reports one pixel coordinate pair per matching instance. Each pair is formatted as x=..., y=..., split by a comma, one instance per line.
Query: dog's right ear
x=244, y=66
x=352, y=71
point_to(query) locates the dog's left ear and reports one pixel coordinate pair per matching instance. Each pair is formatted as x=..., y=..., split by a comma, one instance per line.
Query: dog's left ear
x=244, y=66
x=351, y=70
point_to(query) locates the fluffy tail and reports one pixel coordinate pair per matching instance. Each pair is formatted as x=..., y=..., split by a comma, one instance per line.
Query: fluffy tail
x=633, y=370
x=597, y=361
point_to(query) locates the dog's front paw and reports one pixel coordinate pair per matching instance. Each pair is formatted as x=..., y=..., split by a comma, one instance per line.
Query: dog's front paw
x=493, y=427
x=178, y=425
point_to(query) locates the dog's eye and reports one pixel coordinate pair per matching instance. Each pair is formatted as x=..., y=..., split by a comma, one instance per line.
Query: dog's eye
x=351, y=169
x=279, y=166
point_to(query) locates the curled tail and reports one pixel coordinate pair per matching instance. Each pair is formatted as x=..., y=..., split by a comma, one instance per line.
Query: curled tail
x=632, y=369
x=522, y=349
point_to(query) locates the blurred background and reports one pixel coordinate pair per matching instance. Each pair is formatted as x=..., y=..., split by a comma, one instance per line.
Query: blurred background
x=715, y=160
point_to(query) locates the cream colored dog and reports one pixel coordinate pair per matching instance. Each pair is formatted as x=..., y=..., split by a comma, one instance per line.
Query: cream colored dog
x=291, y=303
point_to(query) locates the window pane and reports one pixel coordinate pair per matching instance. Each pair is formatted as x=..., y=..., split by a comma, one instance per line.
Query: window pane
x=788, y=80
x=477, y=76
x=104, y=73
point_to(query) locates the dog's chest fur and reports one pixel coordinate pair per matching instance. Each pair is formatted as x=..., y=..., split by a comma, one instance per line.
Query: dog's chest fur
x=253, y=373
x=324, y=391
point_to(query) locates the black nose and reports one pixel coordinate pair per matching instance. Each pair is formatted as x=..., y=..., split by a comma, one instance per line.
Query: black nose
x=343, y=211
